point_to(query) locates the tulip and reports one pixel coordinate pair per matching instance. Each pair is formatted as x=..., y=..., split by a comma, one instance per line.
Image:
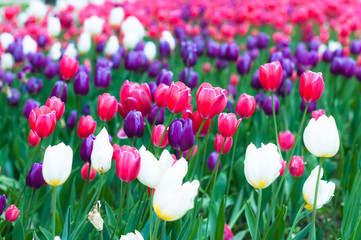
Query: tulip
x=153, y=113
x=6, y=39
x=210, y=100
x=86, y=126
x=164, y=77
x=262, y=165
x=246, y=105
x=189, y=77
x=296, y=166
x=86, y=148
x=95, y=218
x=270, y=76
x=34, y=85
x=107, y=107
x=286, y=140
x=112, y=46
x=71, y=120
x=318, y=113
x=33, y=139
x=283, y=168
x=55, y=104
x=172, y=199
x=57, y=164
x=150, y=50
x=180, y=134
x=42, y=121
x=68, y=67
x=267, y=105
x=81, y=83
x=12, y=213
x=85, y=170
x=116, y=16
x=29, y=45
x=54, y=27
x=178, y=97
x=84, y=43
x=244, y=64
x=134, y=124
x=325, y=190
x=212, y=161
x=160, y=95
x=219, y=142
x=7, y=61
x=60, y=87
x=132, y=236
x=321, y=137
x=35, y=179
x=311, y=86
x=13, y=97
x=102, y=77
x=101, y=156
x=228, y=235
x=93, y=25
x=157, y=134
x=127, y=163
x=2, y=203
x=228, y=124
x=197, y=122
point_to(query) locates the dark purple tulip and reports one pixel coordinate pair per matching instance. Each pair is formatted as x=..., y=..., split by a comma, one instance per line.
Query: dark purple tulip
x=262, y=40
x=139, y=46
x=189, y=77
x=232, y=52
x=35, y=179
x=355, y=47
x=164, y=49
x=103, y=63
x=51, y=70
x=230, y=104
x=232, y=90
x=38, y=61
x=29, y=105
x=142, y=62
x=2, y=203
x=286, y=52
x=222, y=54
x=311, y=106
x=188, y=53
x=251, y=42
x=221, y=64
x=165, y=77
x=34, y=85
x=18, y=53
x=276, y=56
x=300, y=70
x=314, y=44
x=8, y=78
x=212, y=48
x=154, y=68
x=14, y=97
x=212, y=161
x=327, y=55
x=160, y=117
x=86, y=109
x=180, y=134
x=267, y=106
x=131, y=61
x=71, y=120
x=57, y=90
x=338, y=53
x=255, y=83
x=152, y=86
x=42, y=40
x=348, y=67
x=81, y=83
x=303, y=57
x=336, y=65
x=253, y=53
x=180, y=33
x=244, y=64
x=312, y=58
x=199, y=42
x=117, y=59
x=100, y=47
x=86, y=148
x=102, y=77
x=285, y=88
x=83, y=68
x=287, y=66
x=358, y=74
x=134, y=124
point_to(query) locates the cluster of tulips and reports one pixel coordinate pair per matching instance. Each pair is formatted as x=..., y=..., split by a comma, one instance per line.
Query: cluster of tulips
x=124, y=120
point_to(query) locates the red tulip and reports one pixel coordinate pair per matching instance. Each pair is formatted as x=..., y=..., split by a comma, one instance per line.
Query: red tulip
x=116, y=149
x=12, y=213
x=178, y=97
x=286, y=140
x=127, y=165
x=283, y=168
x=157, y=135
x=107, y=107
x=56, y=105
x=85, y=170
x=197, y=121
x=227, y=124
x=245, y=106
x=234, y=79
x=33, y=139
x=218, y=142
x=86, y=126
x=42, y=121
x=68, y=67
x=160, y=96
x=135, y=97
x=311, y=86
x=318, y=113
x=210, y=100
x=188, y=112
x=296, y=166
x=270, y=76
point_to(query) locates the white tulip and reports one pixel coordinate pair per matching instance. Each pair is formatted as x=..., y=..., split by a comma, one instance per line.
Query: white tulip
x=112, y=46
x=55, y=51
x=93, y=25
x=325, y=190
x=132, y=24
x=6, y=39
x=150, y=50
x=321, y=137
x=71, y=50
x=54, y=26
x=37, y=8
x=116, y=16
x=334, y=45
x=167, y=36
x=172, y=199
x=84, y=43
x=7, y=61
x=29, y=45
x=57, y=164
x=262, y=165
x=151, y=170
x=130, y=40
x=22, y=18
x=321, y=49
x=101, y=157
x=132, y=236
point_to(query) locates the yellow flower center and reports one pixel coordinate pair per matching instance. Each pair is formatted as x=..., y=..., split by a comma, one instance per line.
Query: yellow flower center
x=162, y=215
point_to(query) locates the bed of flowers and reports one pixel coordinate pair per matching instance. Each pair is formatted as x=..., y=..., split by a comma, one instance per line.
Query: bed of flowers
x=180, y=120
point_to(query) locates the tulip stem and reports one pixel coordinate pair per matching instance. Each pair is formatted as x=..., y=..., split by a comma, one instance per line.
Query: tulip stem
x=101, y=126
x=28, y=210
x=100, y=186
x=275, y=125
x=85, y=190
x=156, y=227
x=123, y=187
x=232, y=163
x=165, y=130
x=54, y=209
x=132, y=142
x=150, y=211
x=205, y=152
x=20, y=194
x=116, y=131
x=295, y=222
x=259, y=204
x=313, y=228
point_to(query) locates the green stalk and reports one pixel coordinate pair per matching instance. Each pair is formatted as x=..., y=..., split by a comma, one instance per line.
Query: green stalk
x=196, y=138
x=20, y=194
x=85, y=191
x=205, y=151
x=275, y=125
x=155, y=233
x=54, y=209
x=28, y=210
x=295, y=222
x=123, y=187
x=116, y=131
x=160, y=142
x=100, y=186
x=259, y=204
x=150, y=212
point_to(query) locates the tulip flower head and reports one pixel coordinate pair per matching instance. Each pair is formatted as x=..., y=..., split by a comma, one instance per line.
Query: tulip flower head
x=218, y=142
x=296, y=166
x=107, y=107
x=210, y=100
x=85, y=170
x=180, y=134
x=101, y=156
x=197, y=121
x=325, y=190
x=286, y=140
x=95, y=218
x=35, y=178
x=178, y=97
x=33, y=139
x=245, y=106
x=132, y=236
x=57, y=164
x=2, y=203
x=55, y=104
x=228, y=124
x=127, y=163
x=262, y=165
x=270, y=76
x=284, y=164
x=134, y=124
x=318, y=113
x=311, y=86
x=42, y=121
x=86, y=126
x=12, y=213
x=68, y=67
x=160, y=95
x=157, y=134
x=172, y=199
x=228, y=235
x=321, y=137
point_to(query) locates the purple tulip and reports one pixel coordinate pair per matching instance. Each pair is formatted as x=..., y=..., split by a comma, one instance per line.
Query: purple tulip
x=164, y=49
x=189, y=77
x=2, y=203
x=29, y=105
x=14, y=97
x=262, y=40
x=154, y=68
x=255, y=83
x=71, y=120
x=134, y=124
x=34, y=85
x=160, y=118
x=244, y=64
x=102, y=77
x=35, y=179
x=86, y=148
x=165, y=77
x=212, y=48
x=232, y=52
x=355, y=47
x=180, y=134
x=57, y=90
x=212, y=161
x=267, y=106
x=81, y=83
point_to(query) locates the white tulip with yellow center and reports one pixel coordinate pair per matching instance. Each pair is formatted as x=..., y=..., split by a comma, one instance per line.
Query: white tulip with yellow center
x=325, y=190
x=262, y=165
x=172, y=199
x=321, y=137
x=101, y=157
x=57, y=164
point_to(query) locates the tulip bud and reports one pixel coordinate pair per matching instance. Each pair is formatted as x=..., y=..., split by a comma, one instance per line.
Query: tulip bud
x=102, y=153
x=218, y=143
x=283, y=168
x=318, y=113
x=55, y=104
x=245, y=106
x=311, y=86
x=296, y=166
x=234, y=79
x=127, y=165
x=134, y=124
x=270, y=76
x=164, y=77
x=58, y=87
x=81, y=83
x=107, y=107
x=228, y=124
x=42, y=121
x=34, y=85
x=180, y=134
x=12, y=213
x=228, y=235
x=116, y=16
x=212, y=161
x=164, y=49
x=160, y=95
x=2, y=203
x=95, y=218
x=86, y=126
x=210, y=100
x=85, y=170
x=35, y=179
x=286, y=140
x=68, y=67
x=157, y=134
x=33, y=139
x=178, y=97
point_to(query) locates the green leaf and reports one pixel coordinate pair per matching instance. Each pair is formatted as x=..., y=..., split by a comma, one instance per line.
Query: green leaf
x=303, y=233
x=220, y=222
x=277, y=228
x=46, y=233
x=251, y=220
x=357, y=233
x=18, y=232
x=110, y=214
x=36, y=236
x=66, y=229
